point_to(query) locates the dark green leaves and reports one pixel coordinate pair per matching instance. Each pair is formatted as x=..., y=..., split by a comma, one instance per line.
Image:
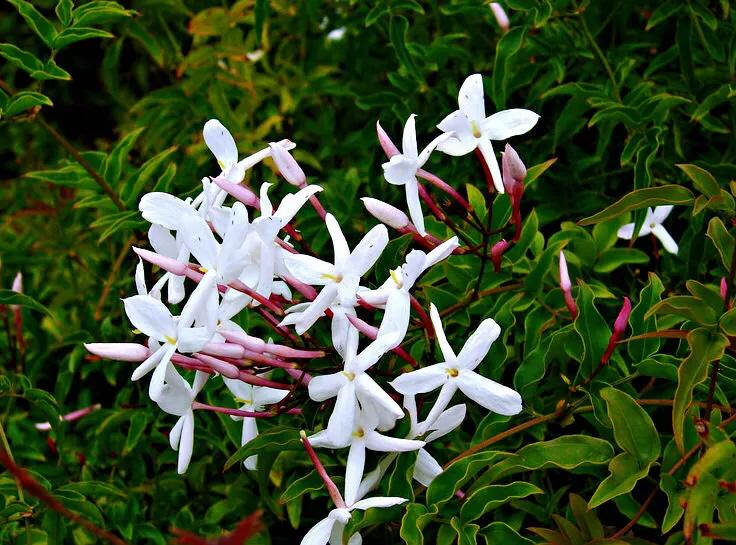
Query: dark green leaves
x=398, y=30
x=650, y=196
x=9, y=297
x=36, y=21
x=508, y=46
x=636, y=435
x=489, y=497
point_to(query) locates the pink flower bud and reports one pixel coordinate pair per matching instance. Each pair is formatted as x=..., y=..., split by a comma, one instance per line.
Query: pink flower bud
x=287, y=165
x=501, y=18
x=166, y=263
x=389, y=148
x=386, y=213
x=119, y=351
x=724, y=292
x=74, y=415
x=497, y=252
x=227, y=350
x=565, y=283
x=514, y=170
x=240, y=192
x=622, y=320
x=17, y=286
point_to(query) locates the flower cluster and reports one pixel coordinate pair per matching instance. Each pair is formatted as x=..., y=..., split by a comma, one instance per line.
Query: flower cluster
x=233, y=250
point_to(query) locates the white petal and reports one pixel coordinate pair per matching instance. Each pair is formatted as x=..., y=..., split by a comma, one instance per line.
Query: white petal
x=463, y=141
x=420, y=381
x=380, y=501
x=354, y=470
x=383, y=443
x=193, y=339
x=665, y=238
x=399, y=169
x=266, y=206
x=396, y=317
x=140, y=278
x=429, y=148
x=446, y=422
x=324, y=387
x=165, y=210
x=200, y=301
x=344, y=335
x=292, y=203
x=157, y=383
x=414, y=206
x=221, y=143
x=310, y=270
x=439, y=332
x=201, y=242
x=355, y=539
x=490, y=158
x=175, y=434
x=250, y=432
x=149, y=363
x=162, y=241
x=317, y=308
x=488, y=393
x=340, y=245
x=626, y=231
x=478, y=344
x=373, y=352
x=186, y=443
x=471, y=99
x=268, y=396
x=370, y=393
x=368, y=250
x=409, y=138
x=426, y=468
x=341, y=425
x=150, y=316
x=660, y=213
x=507, y=123
x=442, y=251
x=319, y=534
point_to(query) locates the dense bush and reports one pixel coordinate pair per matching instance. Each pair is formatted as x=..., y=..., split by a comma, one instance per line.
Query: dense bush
x=625, y=431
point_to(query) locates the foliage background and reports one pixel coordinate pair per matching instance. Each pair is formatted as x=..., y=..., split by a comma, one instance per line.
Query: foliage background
x=626, y=92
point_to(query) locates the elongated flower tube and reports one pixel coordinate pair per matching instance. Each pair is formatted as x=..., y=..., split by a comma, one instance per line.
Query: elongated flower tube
x=497, y=251
x=501, y=18
x=566, y=287
x=132, y=352
x=514, y=173
x=619, y=327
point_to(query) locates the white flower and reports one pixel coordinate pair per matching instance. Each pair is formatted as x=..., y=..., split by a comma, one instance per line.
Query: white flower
x=336, y=34
x=341, y=279
x=653, y=224
x=457, y=372
x=176, y=398
x=151, y=317
x=362, y=436
x=254, y=399
x=402, y=169
x=394, y=295
x=330, y=529
x=352, y=385
x=472, y=129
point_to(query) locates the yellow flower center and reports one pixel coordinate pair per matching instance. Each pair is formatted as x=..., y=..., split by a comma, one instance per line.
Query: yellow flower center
x=203, y=270
x=358, y=433
x=243, y=401
x=334, y=278
x=351, y=376
x=222, y=165
x=452, y=372
x=397, y=280
x=170, y=340
x=476, y=129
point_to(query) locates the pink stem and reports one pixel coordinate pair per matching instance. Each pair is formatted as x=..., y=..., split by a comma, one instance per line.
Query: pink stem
x=330, y=485
x=196, y=405
x=426, y=322
x=440, y=184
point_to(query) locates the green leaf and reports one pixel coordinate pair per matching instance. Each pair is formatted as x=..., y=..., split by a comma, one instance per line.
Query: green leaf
x=727, y=322
x=142, y=177
x=23, y=59
x=477, y=201
x=508, y=46
x=311, y=482
x=74, y=34
x=702, y=179
x=566, y=452
x=9, y=297
x=95, y=489
x=276, y=440
x=593, y=329
x=97, y=11
x=118, y=156
x=663, y=12
x=25, y=100
x=64, y=11
x=415, y=519
x=489, y=497
x=535, y=172
x=36, y=21
x=641, y=198
x=500, y=532
x=669, y=485
x=261, y=13
x=689, y=307
x=722, y=240
x=705, y=347
x=613, y=258
x=138, y=423
x=397, y=30
x=443, y=487
x=650, y=295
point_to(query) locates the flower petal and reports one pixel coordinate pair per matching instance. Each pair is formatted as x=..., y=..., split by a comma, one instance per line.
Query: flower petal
x=409, y=138
x=665, y=238
x=317, y=308
x=339, y=244
x=426, y=468
x=439, y=332
x=368, y=250
x=341, y=425
x=660, y=213
x=383, y=443
x=626, y=231
x=293, y=202
x=478, y=344
x=162, y=241
x=463, y=141
x=221, y=143
x=324, y=387
x=165, y=210
x=420, y=381
x=310, y=270
x=201, y=242
x=192, y=339
x=507, y=123
x=354, y=470
x=370, y=393
x=488, y=393
x=150, y=316
x=399, y=169
x=414, y=206
x=396, y=317
x=319, y=534
x=186, y=443
x=486, y=148
x=446, y=422
x=470, y=98
x=381, y=501
x=373, y=352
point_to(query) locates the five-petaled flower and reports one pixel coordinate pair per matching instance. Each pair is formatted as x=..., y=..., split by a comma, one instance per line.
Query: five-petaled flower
x=652, y=225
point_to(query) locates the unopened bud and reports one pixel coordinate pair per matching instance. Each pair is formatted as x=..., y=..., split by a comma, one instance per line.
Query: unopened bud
x=287, y=165
x=565, y=283
x=622, y=320
x=386, y=213
x=501, y=18
x=497, y=252
x=389, y=148
x=17, y=286
x=133, y=352
x=514, y=170
x=166, y=263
